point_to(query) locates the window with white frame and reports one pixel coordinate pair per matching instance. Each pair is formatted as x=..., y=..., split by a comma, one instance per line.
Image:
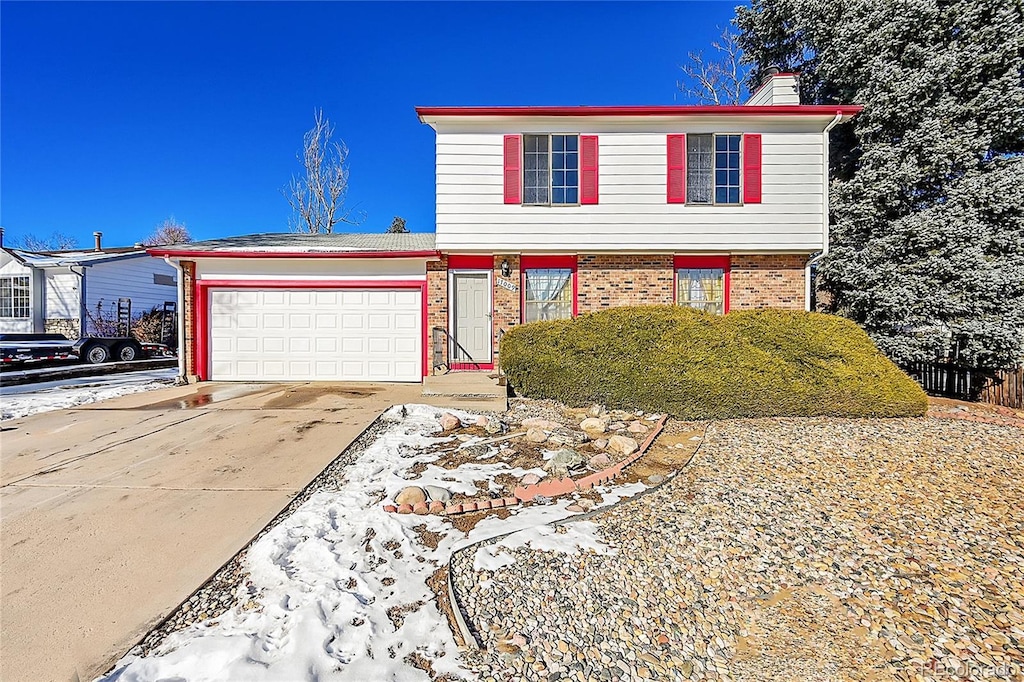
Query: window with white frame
x=14, y=297
x=713, y=169
x=551, y=165
x=547, y=294
x=701, y=288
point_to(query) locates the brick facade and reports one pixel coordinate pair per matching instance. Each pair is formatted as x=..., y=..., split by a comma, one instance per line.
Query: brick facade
x=188, y=269
x=767, y=281
x=611, y=280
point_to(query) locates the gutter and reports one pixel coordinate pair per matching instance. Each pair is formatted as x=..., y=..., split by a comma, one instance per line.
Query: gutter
x=824, y=212
x=180, y=314
x=164, y=253
x=83, y=312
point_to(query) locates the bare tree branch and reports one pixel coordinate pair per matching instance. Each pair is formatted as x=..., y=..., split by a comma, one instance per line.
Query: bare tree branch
x=719, y=79
x=169, y=231
x=318, y=198
x=57, y=241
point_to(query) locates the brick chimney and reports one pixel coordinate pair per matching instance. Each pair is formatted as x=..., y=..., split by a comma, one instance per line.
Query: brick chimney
x=776, y=88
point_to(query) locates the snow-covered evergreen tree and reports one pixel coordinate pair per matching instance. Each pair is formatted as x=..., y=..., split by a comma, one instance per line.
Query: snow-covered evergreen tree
x=927, y=242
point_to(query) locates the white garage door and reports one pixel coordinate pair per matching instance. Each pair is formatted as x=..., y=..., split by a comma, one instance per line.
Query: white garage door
x=316, y=335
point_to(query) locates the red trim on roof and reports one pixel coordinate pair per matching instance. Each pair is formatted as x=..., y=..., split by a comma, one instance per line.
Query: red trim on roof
x=670, y=110
x=293, y=254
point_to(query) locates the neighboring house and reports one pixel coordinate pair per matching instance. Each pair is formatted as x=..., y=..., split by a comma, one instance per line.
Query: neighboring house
x=542, y=213
x=65, y=291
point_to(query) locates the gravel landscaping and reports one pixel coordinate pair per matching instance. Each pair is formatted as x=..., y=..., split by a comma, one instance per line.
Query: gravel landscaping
x=810, y=549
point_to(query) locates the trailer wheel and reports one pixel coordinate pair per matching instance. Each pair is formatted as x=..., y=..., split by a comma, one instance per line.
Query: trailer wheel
x=127, y=352
x=96, y=354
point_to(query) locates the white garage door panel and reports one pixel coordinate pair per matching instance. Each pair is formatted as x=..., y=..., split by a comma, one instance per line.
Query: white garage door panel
x=316, y=335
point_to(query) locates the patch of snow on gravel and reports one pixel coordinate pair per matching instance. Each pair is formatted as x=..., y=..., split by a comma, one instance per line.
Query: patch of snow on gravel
x=326, y=578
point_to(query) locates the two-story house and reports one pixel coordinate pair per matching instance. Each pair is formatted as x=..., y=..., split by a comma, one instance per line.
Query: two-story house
x=542, y=213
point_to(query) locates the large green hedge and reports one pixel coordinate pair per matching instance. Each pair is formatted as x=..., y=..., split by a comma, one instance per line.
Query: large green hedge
x=694, y=365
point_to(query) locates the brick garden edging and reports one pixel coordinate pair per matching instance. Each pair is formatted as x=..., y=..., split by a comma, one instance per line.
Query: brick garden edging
x=552, y=487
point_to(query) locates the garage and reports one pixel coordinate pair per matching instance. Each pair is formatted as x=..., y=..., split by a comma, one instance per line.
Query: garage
x=315, y=334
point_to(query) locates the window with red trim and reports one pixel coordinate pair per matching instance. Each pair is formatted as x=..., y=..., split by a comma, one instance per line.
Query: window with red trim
x=702, y=283
x=549, y=288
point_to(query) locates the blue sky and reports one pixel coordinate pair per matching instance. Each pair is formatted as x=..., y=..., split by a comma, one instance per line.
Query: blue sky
x=115, y=116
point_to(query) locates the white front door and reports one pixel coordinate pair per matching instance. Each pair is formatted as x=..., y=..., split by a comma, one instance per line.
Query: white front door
x=316, y=335
x=472, y=332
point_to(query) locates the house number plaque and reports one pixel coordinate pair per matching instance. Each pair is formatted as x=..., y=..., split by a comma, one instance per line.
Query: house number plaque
x=505, y=284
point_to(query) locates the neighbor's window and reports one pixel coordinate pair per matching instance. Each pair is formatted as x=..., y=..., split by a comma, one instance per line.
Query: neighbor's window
x=702, y=288
x=713, y=169
x=551, y=165
x=14, y=300
x=548, y=294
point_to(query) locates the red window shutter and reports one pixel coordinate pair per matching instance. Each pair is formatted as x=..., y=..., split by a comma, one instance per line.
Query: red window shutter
x=513, y=169
x=588, y=169
x=676, y=169
x=752, y=169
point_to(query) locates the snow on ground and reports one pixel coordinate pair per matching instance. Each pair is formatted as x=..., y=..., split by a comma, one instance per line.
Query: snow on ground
x=28, y=399
x=331, y=579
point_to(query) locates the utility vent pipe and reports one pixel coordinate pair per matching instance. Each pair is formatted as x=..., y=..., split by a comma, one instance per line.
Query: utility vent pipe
x=98, y=236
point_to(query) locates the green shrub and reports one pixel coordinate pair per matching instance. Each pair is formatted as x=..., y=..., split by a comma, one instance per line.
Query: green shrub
x=695, y=365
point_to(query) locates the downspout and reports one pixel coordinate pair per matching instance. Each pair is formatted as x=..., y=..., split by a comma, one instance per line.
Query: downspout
x=824, y=211
x=180, y=314
x=83, y=312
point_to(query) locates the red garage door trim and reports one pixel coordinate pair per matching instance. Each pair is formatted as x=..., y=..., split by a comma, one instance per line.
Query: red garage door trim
x=201, y=317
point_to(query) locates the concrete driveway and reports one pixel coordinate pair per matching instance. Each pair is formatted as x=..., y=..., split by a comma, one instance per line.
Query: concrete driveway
x=113, y=513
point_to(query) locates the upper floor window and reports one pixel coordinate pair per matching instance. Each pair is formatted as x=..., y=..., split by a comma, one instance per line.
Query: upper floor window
x=713, y=169
x=14, y=297
x=551, y=165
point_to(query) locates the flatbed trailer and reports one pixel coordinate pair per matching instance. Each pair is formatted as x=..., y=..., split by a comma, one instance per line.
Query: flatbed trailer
x=18, y=349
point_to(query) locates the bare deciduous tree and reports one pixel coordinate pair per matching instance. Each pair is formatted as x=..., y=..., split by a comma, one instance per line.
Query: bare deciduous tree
x=169, y=231
x=57, y=241
x=318, y=198
x=398, y=225
x=719, y=79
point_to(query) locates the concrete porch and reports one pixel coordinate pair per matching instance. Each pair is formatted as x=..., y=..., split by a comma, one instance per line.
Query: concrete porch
x=466, y=390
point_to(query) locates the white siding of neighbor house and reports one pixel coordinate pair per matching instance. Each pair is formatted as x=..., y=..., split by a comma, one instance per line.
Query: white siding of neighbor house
x=129, y=278
x=63, y=299
x=239, y=269
x=10, y=267
x=633, y=213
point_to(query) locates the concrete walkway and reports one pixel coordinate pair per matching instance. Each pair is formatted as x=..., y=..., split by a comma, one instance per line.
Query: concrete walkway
x=113, y=513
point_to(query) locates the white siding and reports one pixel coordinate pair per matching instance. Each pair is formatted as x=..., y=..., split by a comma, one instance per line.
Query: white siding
x=10, y=267
x=368, y=269
x=129, y=278
x=782, y=89
x=63, y=300
x=633, y=213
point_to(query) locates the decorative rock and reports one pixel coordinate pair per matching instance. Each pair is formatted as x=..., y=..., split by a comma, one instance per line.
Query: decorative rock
x=600, y=443
x=564, y=436
x=536, y=435
x=540, y=423
x=411, y=495
x=637, y=427
x=420, y=508
x=593, y=427
x=449, y=422
x=390, y=508
x=574, y=508
x=495, y=426
x=599, y=462
x=596, y=410
x=616, y=426
x=585, y=503
x=622, y=445
x=530, y=479
x=405, y=509
x=655, y=479
x=481, y=421
x=562, y=462
x=437, y=493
